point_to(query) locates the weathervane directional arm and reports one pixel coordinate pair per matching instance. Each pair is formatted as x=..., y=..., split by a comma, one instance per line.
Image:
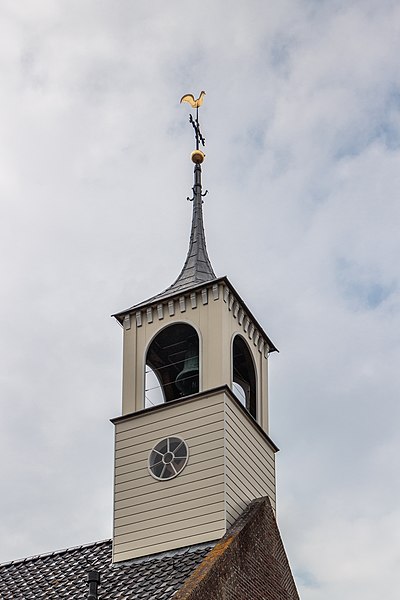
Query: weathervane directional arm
x=189, y=98
x=197, y=132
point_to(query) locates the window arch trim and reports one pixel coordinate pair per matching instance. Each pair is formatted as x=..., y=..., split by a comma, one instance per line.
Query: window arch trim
x=251, y=403
x=147, y=347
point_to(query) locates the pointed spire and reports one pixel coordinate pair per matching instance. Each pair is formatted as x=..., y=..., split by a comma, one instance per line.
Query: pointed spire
x=197, y=268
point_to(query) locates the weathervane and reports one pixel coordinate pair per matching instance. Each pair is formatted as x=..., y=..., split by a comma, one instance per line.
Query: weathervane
x=197, y=155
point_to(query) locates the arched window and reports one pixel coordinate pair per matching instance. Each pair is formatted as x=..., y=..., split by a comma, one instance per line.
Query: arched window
x=244, y=375
x=172, y=364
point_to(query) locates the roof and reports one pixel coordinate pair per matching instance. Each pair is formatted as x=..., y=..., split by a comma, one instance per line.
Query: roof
x=197, y=268
x=63, y=575
x=249, y=561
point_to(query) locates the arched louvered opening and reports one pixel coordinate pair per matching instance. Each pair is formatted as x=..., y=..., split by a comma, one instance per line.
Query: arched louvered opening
x=172, y=364
x=244, y=375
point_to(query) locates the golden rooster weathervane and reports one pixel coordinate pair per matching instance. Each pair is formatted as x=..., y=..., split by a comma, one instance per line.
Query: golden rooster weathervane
x=190, y=99
x=197, y=155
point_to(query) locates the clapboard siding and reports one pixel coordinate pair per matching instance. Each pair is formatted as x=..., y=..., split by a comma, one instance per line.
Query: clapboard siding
x=202, y=477
x=241, y=490
x=189, y=519
x=235, y=504
x=174, y=410
x=256, y=474
x=148, y=485
x=120, y=554
x=230, y=463
x=242, y=423
x=190, y=426
x=180, y=531
x=248, y=477
x=198, y=437
x=237, y=490
x=202, y=415
x=250, y=462
x=194, y=516
x=124, y=490
x=152, y=516
x=231, y=518
x=207, y=456
x=214, y=477
x=209, y=433
x=210, y=530
x=214, y=439
x=188, y=528
x=136, y=514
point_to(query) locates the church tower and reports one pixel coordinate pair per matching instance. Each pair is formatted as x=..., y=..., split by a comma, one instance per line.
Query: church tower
x=192, y=448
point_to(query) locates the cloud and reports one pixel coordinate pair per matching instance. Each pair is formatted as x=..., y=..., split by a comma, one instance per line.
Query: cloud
x=302, y=126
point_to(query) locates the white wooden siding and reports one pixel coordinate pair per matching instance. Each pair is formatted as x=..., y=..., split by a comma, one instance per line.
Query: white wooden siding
x=154, y=516
x=250, y=462
x=230, y=463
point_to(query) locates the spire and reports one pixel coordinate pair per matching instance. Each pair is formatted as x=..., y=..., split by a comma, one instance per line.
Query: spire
x=197, y=268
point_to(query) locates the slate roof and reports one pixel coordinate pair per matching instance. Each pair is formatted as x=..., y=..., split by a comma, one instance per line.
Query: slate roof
x=62, y=575
x=197, y=268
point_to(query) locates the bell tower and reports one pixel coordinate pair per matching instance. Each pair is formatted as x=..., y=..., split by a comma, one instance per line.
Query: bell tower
x=191, y=446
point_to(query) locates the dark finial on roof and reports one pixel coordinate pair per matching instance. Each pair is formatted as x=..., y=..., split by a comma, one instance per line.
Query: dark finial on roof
x=94, y=581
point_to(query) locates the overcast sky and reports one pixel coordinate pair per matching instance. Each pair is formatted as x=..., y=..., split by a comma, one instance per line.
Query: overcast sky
x=302, y=121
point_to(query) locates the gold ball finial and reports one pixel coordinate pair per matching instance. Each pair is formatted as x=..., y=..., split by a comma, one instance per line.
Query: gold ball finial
x=197, y=157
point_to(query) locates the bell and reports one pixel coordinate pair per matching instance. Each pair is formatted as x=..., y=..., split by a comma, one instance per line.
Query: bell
x=187, y=381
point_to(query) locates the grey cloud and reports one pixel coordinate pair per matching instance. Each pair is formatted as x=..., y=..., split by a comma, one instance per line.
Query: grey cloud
x=94, y=174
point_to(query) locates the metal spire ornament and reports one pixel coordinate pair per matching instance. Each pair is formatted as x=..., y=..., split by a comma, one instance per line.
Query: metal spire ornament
x=197, y=268
x=197, y=155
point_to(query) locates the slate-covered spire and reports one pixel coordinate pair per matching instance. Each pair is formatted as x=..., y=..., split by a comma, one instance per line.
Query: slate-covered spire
x=197, y=268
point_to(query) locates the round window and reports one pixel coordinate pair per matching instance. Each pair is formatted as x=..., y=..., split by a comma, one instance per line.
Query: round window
x=168, y=458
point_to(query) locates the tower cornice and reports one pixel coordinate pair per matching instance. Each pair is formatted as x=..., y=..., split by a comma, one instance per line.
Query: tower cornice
x=186, y=298
x=222, y=389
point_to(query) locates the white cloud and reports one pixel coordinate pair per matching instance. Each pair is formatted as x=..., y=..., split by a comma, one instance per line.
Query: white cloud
x=302, y=125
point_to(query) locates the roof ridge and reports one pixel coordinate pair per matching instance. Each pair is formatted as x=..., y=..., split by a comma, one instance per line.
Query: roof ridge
x=55, y=552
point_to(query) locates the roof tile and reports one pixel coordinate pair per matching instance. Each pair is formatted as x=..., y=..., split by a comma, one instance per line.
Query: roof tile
x=63, y=574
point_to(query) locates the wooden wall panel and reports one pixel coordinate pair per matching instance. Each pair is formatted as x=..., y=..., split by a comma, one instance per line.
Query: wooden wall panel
x=152, y=516
x=250, y=462
x=230, y=463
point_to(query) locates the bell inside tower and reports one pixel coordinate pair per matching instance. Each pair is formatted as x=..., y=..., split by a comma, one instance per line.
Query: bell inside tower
x=172, y=364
